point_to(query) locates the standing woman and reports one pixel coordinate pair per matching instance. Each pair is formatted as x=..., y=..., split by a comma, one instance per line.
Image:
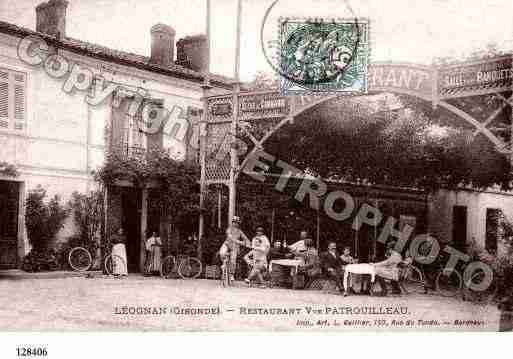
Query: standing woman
x=119, y=254
x=154, y=253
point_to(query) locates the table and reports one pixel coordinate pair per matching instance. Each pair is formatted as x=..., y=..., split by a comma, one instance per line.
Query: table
x=359, y=268
x=294, y=263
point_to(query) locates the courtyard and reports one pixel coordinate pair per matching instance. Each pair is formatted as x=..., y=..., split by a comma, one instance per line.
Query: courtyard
x=153, y=304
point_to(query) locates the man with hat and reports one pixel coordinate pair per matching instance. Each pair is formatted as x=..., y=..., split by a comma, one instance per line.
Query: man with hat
x=234, y=239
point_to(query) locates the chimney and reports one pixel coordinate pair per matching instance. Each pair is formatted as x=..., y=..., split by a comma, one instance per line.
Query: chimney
x=192, y=52
x=51, y=18
x=162, y=45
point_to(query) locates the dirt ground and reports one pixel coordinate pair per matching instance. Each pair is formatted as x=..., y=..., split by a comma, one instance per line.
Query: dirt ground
x=139, y=303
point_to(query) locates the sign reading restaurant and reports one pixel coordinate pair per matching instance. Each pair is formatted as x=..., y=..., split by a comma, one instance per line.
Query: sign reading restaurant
x=428, y=82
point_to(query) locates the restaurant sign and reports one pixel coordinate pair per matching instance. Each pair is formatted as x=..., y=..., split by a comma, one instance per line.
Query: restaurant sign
x=251, y=106
x=475, y=78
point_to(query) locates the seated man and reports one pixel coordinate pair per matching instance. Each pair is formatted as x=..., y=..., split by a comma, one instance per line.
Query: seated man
x=388, y=269
x=311, y=265
x=331, y=265
x=277, y=251
x=298, y=247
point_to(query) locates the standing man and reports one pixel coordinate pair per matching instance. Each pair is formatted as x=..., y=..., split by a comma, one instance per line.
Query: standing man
x=331, y=265
x=263, y=239
x=230, y=247
x=260, y=247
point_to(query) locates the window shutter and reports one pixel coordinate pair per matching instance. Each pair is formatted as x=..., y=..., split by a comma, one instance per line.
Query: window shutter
x=12, y=99
x=19, y=101
x=4, y=99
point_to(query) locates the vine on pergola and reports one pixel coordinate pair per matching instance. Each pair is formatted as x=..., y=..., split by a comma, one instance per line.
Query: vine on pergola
x=175, y=181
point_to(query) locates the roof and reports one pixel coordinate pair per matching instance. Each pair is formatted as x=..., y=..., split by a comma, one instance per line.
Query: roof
x=117, y=56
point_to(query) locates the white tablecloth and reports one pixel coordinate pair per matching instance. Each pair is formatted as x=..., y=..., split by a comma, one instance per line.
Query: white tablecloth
x=359, y=268
x=294, y=263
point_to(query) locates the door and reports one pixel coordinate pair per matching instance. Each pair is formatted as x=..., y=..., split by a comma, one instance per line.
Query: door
x=9, y=206
x=131, y=204
x=459, y=227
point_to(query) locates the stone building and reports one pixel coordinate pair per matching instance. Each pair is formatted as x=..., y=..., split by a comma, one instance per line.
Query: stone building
x=55, y=137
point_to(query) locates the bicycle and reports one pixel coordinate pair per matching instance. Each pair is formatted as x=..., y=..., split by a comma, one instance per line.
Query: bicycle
x=412, y=279
x=187, y=267
x=450, y=283
x=226, y=280
x=81, y=260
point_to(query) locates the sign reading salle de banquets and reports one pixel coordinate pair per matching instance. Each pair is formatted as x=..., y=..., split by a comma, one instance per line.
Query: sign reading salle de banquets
x=468, y=78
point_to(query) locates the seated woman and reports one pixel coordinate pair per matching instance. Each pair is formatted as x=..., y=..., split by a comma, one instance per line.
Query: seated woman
x=388, y=269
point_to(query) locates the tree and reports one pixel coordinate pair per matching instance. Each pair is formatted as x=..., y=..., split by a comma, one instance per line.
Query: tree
x=401, y=143
x=43, y=220
x=87, y=211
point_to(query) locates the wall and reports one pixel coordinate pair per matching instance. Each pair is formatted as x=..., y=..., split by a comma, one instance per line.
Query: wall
x=64, y=138
x=440, y=213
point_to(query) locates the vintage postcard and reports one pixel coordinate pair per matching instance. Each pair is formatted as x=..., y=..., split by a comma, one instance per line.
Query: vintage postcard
x=256, y=165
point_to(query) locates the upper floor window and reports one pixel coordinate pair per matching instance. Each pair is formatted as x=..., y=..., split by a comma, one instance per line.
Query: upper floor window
x=12, y=99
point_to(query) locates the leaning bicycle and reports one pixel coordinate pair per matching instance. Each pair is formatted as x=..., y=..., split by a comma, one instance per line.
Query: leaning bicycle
x=183, y=265
x=81, y=260
x=412, y=279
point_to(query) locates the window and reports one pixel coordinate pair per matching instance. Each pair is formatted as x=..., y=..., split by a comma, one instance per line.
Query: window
x=493, y=219
x=12, y=99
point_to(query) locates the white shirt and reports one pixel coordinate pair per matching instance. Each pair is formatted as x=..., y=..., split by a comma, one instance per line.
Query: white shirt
x=299, y=246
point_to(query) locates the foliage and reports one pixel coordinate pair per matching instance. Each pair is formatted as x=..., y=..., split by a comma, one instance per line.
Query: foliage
x=401, y=143
x=263, y=81
x=399, y=140
x=87, y=211
x=8, y=170
x=40, y=259
x=43, y=220
x=177, y=181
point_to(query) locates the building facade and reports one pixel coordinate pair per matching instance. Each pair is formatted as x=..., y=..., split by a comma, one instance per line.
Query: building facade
x=54, y=137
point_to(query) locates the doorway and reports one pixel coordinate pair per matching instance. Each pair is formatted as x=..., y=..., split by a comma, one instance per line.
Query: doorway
x=9, y=206
x=131, y=202
x=459, y=227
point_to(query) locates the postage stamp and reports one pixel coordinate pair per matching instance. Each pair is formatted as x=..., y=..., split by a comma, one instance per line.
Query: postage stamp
x=317, y=55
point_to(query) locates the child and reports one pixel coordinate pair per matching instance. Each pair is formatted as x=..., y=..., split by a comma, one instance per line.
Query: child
x=257, y=260
x=346, y=257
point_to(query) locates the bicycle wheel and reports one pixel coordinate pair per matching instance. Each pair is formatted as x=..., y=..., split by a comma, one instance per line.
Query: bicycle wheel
x=189, y=268
x=167, y=267
x=113, y=263
x=448, y=283
x=480, y=296
x=80, y=259
x=413, y=281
